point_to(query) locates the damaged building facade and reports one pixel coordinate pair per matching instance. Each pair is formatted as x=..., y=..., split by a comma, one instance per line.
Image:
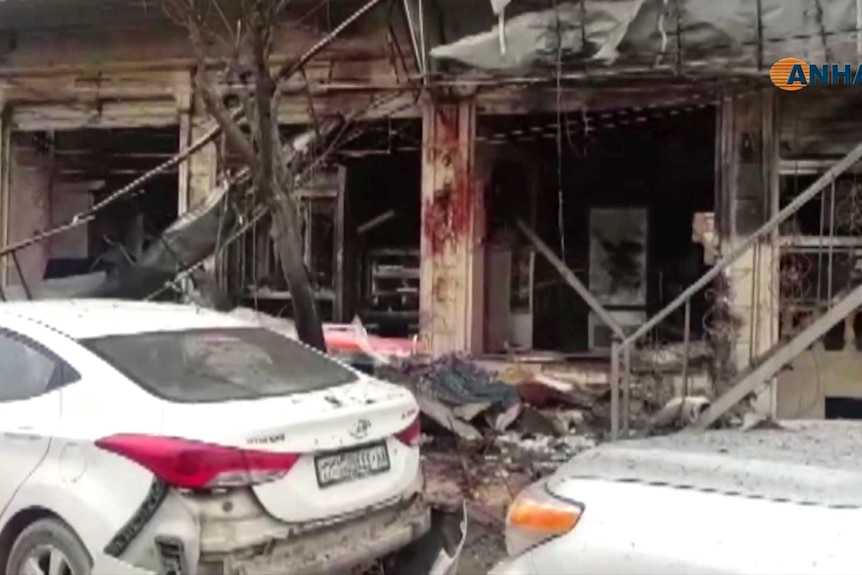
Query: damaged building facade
x=536, y=183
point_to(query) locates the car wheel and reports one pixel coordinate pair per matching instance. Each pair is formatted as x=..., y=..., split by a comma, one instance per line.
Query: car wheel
x=48, y=547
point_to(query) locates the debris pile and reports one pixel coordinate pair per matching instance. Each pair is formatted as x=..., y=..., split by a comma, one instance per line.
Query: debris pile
x=467, y=391
x=530, y=425
x=489, y=433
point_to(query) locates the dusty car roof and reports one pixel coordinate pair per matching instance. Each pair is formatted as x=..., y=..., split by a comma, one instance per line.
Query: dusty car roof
x=810, y=462
x=87, y=318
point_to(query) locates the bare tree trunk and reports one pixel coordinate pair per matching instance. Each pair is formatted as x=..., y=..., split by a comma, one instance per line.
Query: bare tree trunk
x=273, y=178
x=262, y=151
x=288, y=243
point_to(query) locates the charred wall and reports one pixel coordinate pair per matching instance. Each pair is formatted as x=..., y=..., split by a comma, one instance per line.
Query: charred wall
x=662, y=162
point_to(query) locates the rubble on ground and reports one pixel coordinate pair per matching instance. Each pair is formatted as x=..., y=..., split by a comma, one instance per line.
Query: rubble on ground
x=486, y=436
x=489, y=433
x=537, y=403
x=532, y=420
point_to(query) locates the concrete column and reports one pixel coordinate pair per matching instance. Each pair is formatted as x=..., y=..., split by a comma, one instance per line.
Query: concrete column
x=197, y=175
x=453, y=225
x=202, y=167
x=748, y=196
x=183, y=95
x=28, y=209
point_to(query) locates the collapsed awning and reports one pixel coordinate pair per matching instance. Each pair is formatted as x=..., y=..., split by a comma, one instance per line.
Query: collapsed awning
x=730, y=36
x=195, y=235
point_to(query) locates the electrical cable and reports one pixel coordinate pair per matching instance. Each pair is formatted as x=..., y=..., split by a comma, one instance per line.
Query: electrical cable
x=561, y=227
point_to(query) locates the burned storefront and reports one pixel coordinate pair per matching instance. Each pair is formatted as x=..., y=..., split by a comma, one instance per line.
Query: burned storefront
x=612, y=192
x=574, y=186
x=360, y=209
x=114, y=152
x=705, y=251
x=60, y=173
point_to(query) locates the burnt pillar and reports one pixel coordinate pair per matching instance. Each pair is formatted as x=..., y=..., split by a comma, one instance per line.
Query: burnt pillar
x=453, y=223
x=747, y=197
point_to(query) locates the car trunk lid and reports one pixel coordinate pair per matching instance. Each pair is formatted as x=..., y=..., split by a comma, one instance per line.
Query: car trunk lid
x=344, y=437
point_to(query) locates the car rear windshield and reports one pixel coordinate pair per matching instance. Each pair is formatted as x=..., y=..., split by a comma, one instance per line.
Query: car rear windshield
x=219, y=364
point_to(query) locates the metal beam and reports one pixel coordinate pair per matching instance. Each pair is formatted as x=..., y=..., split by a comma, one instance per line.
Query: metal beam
x=412, y=25
x=424, y=22
x=571, y=279
x=748, y=381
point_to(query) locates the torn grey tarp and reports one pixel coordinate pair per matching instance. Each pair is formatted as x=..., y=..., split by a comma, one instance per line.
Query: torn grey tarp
x=191, y=238
x=727, y=36
x=456, y=381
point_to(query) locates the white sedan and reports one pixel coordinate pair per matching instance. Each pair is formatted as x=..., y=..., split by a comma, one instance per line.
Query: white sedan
x=143, y=438
x=722, y=502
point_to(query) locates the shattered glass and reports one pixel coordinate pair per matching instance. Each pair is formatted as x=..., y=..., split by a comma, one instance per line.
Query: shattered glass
x=223, y=364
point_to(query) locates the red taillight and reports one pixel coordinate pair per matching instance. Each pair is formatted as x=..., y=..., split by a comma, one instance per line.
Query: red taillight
x=411, y=434
x=195, y=465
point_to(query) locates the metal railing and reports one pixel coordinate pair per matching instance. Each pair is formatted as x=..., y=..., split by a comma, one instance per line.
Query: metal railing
x=621, y=348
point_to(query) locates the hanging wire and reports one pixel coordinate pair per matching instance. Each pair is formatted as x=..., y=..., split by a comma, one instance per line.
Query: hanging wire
x=561, y=227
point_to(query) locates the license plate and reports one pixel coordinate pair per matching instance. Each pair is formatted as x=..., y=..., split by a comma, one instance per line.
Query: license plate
x=352, y=464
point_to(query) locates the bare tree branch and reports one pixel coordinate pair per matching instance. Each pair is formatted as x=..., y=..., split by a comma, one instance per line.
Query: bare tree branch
x=209, y=95
x=248, y=73
x=181, y=11
x=264, y=87
x=229, y=28
x=220, y=113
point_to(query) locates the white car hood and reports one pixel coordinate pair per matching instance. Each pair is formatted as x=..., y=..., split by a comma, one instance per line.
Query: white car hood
x=803, y=463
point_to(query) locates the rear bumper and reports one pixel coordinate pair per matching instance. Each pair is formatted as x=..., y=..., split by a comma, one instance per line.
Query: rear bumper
x=334, y=549
x=409, y=537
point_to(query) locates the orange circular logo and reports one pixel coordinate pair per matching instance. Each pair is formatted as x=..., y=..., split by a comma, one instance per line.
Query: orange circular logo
x=780, y=74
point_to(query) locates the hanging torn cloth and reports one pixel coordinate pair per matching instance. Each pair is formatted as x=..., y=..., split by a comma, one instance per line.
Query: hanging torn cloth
x=499, y=8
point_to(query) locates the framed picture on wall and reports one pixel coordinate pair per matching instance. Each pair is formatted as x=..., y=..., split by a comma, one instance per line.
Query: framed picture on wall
x=618, y=256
